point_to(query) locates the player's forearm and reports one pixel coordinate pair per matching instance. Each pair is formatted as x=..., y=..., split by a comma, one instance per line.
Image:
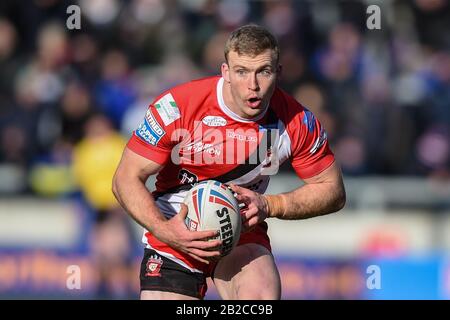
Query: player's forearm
x=308, y=201
x=137, y=201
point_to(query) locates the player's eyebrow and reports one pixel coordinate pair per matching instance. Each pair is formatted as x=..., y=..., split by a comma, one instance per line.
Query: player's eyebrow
x=267, y=65
x=239, y=67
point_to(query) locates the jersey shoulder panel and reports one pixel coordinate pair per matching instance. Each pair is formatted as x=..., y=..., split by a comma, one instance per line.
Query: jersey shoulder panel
x=310, y=152
x=194, y=92
x=285, y=106
x=169, y=116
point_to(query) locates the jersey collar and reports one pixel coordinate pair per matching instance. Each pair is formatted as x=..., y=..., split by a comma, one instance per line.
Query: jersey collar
x=228, y=111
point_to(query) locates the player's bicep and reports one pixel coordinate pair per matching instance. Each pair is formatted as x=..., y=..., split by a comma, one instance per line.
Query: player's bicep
x=332, y=174
x=134, y=165
x=332, y=189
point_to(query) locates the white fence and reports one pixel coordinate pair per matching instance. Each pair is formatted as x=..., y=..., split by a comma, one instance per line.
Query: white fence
x=400, y=215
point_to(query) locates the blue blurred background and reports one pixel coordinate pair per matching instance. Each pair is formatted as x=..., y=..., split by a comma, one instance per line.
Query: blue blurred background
x=69, y=100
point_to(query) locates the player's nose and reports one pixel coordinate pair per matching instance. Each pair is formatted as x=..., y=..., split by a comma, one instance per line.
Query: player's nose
x=253, y=83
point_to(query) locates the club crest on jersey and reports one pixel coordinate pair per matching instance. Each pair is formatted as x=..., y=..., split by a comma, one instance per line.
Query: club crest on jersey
x=154, y=264
x=150, y=130
x=214, y=121
x=167, y=109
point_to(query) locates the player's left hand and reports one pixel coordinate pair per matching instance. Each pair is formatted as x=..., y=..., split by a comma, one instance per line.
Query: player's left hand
x=256, y=207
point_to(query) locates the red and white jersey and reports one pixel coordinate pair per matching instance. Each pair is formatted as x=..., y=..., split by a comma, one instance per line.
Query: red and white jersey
x=195, y=136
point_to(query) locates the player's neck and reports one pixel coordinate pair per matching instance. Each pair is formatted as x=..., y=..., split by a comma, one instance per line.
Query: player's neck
x=229, y=100
x=226, y=99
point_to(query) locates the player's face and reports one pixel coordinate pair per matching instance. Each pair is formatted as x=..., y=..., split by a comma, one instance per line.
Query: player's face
x=249, y=82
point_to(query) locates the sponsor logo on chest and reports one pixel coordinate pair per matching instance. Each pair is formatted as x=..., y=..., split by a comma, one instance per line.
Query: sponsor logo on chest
x=214, y=121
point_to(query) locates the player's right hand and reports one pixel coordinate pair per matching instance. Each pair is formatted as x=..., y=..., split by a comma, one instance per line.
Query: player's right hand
x=195, y=243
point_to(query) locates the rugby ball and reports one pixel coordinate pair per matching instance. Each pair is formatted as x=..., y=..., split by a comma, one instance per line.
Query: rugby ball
x=212, y=206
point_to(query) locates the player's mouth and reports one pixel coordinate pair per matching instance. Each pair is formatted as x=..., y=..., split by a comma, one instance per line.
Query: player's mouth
x=254, y=102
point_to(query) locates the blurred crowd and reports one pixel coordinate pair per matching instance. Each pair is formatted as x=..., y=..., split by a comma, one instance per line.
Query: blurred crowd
x=69, y=99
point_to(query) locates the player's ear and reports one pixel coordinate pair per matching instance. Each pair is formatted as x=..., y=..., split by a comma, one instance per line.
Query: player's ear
x=225, y=72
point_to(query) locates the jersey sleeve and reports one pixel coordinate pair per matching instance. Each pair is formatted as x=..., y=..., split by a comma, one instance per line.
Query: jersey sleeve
x=310, y=153
x=154, y=138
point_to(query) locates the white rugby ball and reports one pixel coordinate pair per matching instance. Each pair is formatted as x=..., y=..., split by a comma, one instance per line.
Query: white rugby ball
x=212, y=206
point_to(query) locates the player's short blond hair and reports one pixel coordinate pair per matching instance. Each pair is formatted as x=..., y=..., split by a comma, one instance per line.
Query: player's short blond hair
x=251, y=40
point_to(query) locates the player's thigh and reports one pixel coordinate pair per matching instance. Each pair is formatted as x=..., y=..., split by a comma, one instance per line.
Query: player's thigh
x=161, y=295
x=248, y=272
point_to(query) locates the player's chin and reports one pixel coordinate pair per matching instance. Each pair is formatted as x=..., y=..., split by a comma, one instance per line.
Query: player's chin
x=252, y=112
